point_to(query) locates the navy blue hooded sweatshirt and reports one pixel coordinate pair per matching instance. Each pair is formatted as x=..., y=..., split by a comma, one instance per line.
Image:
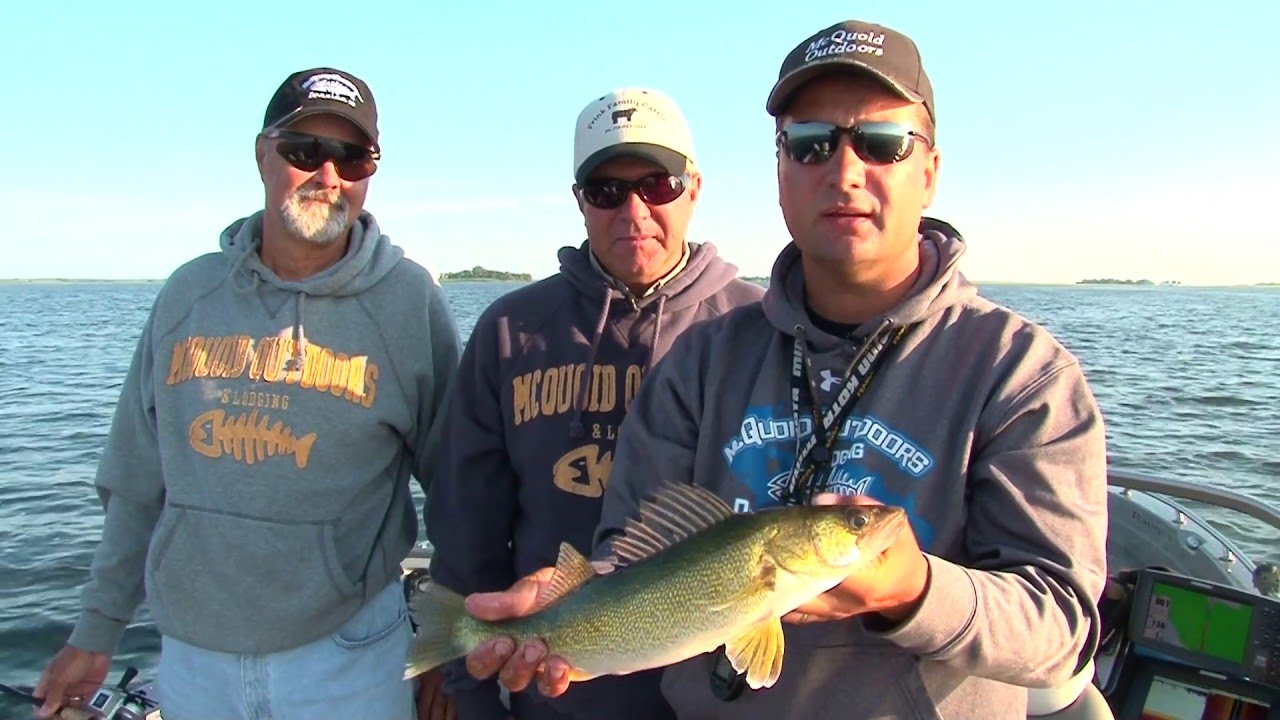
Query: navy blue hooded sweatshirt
x=545, y=380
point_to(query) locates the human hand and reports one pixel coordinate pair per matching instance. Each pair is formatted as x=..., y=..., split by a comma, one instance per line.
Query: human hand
x=433, y=702
x=890, y=584
x=516, y=667
x=71, y=678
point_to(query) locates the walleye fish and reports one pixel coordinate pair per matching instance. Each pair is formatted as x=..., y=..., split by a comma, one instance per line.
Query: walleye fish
x=689, y=576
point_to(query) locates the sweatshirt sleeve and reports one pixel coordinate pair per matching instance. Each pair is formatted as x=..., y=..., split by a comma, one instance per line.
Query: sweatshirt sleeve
x=434, y=384
x=130, y=485
x=471, y=506
x=1022, y=609
x=658, y=439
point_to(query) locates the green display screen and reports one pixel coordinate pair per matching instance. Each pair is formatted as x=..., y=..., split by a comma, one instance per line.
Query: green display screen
x=1191, y=620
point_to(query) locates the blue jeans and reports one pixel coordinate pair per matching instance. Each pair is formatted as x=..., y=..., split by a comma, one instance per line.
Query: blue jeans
x=356, y=672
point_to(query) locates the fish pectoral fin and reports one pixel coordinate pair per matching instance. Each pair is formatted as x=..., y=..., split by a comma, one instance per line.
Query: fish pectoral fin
x=764, y=582
x=572, y=572
x=758, y=653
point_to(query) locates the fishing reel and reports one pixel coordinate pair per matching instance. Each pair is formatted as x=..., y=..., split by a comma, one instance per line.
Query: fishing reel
x=107, y=703
x=121, y=703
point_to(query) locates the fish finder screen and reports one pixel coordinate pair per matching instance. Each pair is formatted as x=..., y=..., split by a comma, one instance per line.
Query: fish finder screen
x=1191, y=620
x=1171, y=700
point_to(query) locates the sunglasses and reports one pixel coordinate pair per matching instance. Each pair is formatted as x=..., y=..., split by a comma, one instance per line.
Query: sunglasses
x=309, y=152
x=657, y=189
x=876, y=143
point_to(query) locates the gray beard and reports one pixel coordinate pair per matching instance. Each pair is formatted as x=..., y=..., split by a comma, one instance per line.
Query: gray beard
x=316, y=216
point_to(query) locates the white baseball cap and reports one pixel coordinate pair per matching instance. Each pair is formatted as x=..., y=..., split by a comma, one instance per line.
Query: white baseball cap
x=631, y=121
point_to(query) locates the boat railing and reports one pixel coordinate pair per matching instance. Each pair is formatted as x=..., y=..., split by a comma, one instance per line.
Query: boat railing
x=1221, y=497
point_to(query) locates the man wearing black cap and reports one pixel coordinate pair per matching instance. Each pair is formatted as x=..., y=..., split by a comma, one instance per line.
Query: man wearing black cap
x=255, y=479
x=876, y=374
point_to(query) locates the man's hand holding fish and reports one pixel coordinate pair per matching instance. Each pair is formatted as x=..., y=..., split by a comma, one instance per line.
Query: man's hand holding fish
x=498, y=656
x=890, y=587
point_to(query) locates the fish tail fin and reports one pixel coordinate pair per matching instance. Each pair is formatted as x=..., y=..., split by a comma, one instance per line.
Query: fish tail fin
x=437, y=611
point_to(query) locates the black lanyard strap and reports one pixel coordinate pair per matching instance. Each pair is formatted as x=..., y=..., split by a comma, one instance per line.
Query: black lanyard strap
x=816, y=450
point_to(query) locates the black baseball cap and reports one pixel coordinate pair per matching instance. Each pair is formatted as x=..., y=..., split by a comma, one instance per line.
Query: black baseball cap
x=323, y=90
x=855, y=46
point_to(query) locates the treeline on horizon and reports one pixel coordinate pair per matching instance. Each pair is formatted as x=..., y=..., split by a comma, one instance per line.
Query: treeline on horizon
x=1117, y=281
x=481, y=273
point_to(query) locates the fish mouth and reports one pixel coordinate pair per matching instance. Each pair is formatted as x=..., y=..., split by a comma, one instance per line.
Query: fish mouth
x=885, y=534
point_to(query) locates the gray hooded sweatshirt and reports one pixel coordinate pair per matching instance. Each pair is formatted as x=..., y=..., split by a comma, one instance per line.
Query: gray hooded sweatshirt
x=979, y=424
x=255, y=476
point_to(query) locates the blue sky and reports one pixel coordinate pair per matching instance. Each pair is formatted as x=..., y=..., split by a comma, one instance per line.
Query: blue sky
x=1079, y=139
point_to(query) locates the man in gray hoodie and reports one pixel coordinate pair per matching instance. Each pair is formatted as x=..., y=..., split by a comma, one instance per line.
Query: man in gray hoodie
x=873, y=371
x=255, y=476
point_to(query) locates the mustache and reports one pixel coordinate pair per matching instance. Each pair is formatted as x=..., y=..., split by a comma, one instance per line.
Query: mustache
x=330, y=196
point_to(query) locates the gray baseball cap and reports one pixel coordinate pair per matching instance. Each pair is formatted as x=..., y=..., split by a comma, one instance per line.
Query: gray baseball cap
x=854, y=46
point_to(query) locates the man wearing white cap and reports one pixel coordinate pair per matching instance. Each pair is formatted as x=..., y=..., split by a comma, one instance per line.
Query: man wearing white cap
x=550, y=370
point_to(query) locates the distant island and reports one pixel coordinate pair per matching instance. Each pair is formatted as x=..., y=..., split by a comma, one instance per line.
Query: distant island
x=1116, y=281
x=1113, y=281
x=479, y=273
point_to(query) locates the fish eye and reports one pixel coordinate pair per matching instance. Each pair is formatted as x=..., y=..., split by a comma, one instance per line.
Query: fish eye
x=857, y=519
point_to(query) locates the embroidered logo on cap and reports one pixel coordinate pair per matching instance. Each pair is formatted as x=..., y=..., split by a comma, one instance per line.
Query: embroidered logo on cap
x=331, y=86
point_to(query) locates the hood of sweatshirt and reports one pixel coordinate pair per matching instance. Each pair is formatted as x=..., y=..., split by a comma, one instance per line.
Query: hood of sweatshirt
x=369, y=257
x=938, y=287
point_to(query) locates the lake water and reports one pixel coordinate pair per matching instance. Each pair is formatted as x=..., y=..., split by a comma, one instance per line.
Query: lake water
x=1189, y=380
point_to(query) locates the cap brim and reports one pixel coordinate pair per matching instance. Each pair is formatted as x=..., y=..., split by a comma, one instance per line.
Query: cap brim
x=782, y=91
x=666, y=158
x=305, y=112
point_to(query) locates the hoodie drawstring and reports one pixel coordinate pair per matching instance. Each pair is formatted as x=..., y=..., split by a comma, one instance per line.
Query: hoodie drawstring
x=294, y=363
x=657, y=330
x=580, y=398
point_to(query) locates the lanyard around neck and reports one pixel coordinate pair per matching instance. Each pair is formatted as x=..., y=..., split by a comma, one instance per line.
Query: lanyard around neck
x=816, y=450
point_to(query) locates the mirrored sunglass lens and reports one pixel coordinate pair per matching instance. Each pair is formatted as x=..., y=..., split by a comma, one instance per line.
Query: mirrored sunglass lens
x=885, y=144
x=810, y=143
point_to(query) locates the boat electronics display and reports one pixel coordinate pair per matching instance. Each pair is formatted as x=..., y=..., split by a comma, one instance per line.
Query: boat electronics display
x=1168, y=691
x=1213, y=627
x=1203, y=651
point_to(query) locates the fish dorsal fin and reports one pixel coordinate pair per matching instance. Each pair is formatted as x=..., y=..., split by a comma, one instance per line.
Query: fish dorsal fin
x=676, y=512
x=758, y=653
x=572, y=572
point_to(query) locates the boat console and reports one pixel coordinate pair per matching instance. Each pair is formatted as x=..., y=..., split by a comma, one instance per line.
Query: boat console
x=1198, y=650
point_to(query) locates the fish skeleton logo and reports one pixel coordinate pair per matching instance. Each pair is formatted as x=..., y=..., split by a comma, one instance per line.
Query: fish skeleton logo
x=620, y=116
x=841, y=482
x=248, y=437
x=331, y=86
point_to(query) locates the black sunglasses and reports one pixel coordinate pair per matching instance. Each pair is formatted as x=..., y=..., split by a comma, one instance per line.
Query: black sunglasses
x=308, y=152
x=657, y=189
x=878, y=143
